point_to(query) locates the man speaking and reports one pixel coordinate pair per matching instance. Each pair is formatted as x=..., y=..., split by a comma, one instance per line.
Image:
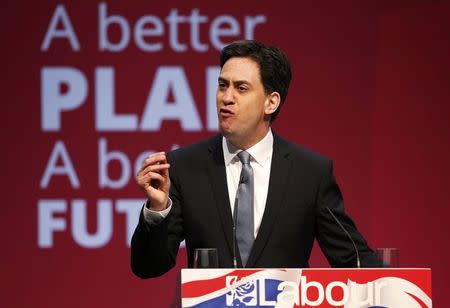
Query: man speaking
x=286, y=196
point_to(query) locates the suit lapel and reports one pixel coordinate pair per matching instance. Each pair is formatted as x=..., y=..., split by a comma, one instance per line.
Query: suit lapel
x=279, y=177
x=218, y=177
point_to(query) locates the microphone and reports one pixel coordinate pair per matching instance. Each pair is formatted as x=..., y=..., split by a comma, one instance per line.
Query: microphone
x=236, y=207
x=358, y=262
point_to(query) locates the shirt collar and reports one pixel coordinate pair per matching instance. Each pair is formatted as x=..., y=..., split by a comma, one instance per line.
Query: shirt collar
x=260, y=152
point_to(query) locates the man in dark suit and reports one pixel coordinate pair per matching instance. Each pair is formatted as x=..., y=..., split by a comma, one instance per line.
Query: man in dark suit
x=291, y=191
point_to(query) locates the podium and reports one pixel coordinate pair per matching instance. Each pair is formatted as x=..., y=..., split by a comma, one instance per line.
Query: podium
x=349, y=288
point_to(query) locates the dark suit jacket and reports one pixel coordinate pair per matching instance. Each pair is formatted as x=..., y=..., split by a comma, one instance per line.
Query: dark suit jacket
x=301, y=186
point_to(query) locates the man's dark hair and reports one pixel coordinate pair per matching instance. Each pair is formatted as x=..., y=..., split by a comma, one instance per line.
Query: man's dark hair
x=274, y=66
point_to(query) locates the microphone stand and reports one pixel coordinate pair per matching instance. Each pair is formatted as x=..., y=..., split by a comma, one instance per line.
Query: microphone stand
x=234, y=231
x=358, y=262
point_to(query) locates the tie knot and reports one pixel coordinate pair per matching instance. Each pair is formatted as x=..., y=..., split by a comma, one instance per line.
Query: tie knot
x=244, y=157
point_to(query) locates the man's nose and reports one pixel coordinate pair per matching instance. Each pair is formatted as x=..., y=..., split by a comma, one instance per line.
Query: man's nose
x=228, y=96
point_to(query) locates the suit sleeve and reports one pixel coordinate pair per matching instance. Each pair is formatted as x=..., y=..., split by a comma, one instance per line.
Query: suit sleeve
x=154, y=248
x=333, y=241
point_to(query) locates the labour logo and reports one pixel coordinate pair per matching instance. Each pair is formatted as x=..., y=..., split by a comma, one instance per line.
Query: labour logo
x=242, y=292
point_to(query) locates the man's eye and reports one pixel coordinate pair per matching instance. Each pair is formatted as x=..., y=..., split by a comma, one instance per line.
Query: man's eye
x=222, y=85
x=242, y=88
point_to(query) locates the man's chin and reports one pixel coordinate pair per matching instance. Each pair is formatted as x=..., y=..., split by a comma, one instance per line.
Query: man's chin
x=225, y=130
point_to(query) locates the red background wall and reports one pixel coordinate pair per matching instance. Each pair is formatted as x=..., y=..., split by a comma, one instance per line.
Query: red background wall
x=370, y=90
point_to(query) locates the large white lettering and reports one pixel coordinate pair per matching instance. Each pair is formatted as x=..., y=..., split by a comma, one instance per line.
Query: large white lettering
x=54, y=101
x=105, y=117
x=148, y=26
x=60, y=15
x=224, y=25
x=104, y=158
x=158, y=108
x=59, y=151
x=196, y=19
x=290, y=293
x=79, y=224
x=48, y=224
x=305, y=300
x=329, y=293
x=104, y=22
x=149, y=30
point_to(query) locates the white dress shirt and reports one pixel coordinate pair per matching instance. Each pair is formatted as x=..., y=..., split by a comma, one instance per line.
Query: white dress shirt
x=261, y=159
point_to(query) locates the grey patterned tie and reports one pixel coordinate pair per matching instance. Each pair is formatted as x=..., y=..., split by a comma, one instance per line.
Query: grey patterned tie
x=244, y=209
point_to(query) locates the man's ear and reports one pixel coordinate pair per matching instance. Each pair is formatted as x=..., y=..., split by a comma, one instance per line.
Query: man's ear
x=272, y=103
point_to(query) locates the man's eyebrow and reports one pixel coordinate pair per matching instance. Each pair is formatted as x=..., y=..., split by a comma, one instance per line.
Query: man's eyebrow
x=239, y=82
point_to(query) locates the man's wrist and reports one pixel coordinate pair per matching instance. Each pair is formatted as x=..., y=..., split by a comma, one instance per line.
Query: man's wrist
x=155, y=217
x=155, y=207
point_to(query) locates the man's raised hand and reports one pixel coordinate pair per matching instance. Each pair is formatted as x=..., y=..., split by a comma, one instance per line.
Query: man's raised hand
x=153, y=179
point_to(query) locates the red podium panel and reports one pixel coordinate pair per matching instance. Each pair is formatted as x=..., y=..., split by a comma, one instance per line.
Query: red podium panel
x=405, y=287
